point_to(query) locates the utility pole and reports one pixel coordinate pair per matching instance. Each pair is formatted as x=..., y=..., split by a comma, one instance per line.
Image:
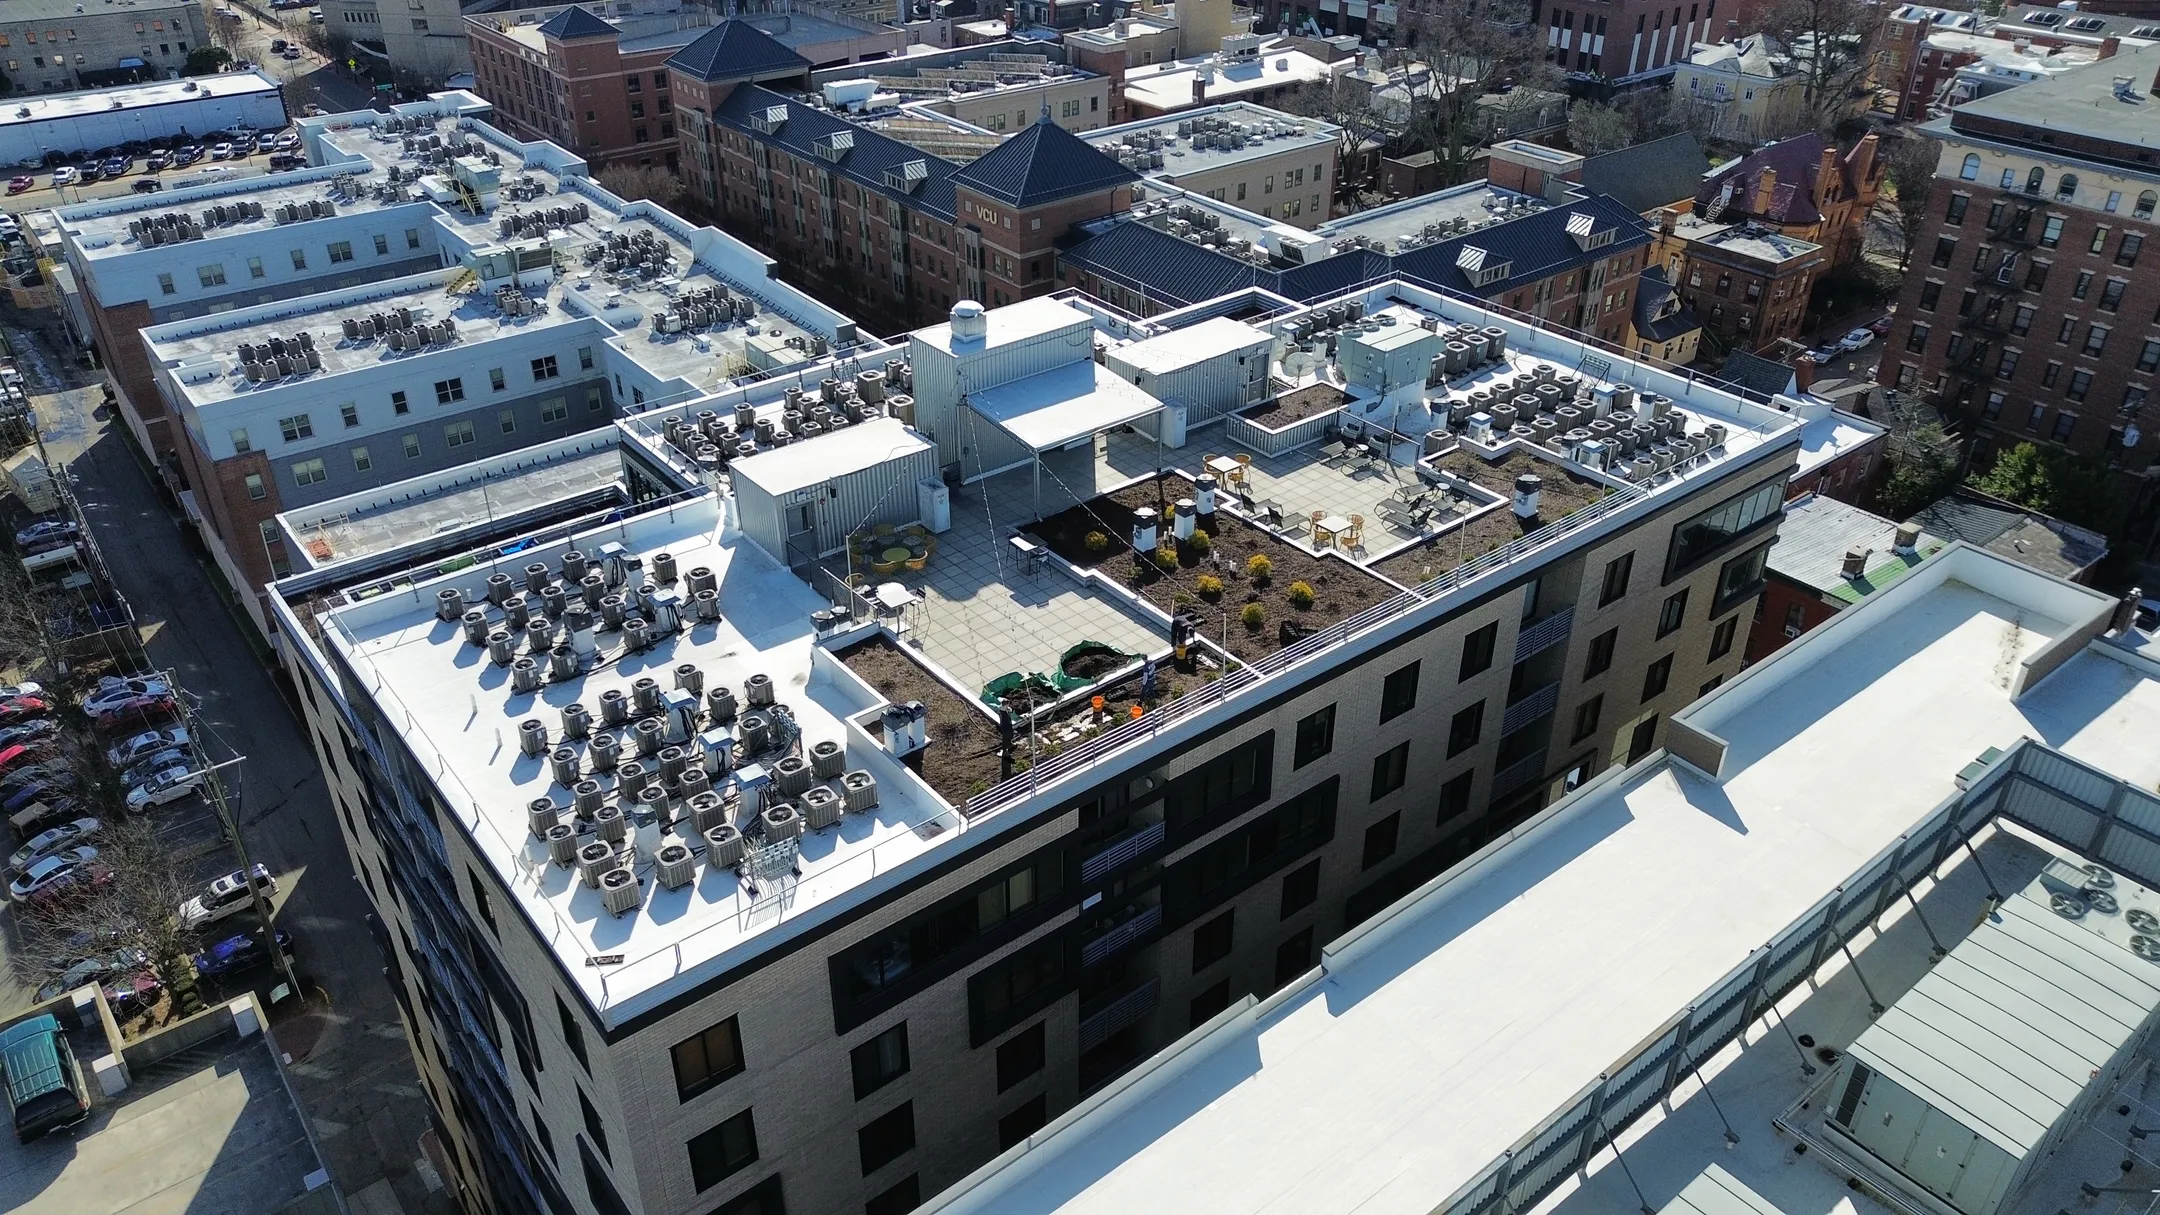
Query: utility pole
x=215, y=790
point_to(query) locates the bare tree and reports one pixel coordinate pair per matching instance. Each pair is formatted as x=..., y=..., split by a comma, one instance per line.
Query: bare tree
x=130, y=903
x=1832, y=43
x=1472, y=50
x=1349, y=105
x=634, y=182
x=1910, y=161
x=1595, y=127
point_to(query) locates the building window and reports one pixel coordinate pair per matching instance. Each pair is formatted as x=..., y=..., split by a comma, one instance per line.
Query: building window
x=1477, y=651
x=705, y=1059
x=297, y=427
x=2064, y=424
x=2111, y=295
x=594, y=1130
x=1300, y=889
x=2149, y=358
x=1293, y=957
x=1955, y=212
x=1021, y=1056
x=1398, y=693
x=362, y=462
x=1586, y=717
x=554, y=409
x=299, y=259
x=1211, y=941
x=1655, y=677
x=2126, y=254
x=382, y=245
x=256, y=490
x=1315, y=737
x=1721, y=640
x=458, y=434
x=1211, y=1000
x=412, y=447
x=1945, y=250
x=723, y=1151
x=495, y=378
x=1391, y=768
x=412, y=238
x=584, y=358
x=2051, y=232
x=1616, y=578
x=1463, y=731
x=1640, y=742
x=2145, y=204
x=1916, y=338
x=2080, y=384
x=1673, y=613
x=210, y=276
x=1380, y=840
x=2096, y=339
x=450, y=390
x=880, y=1061
x=544, y=368
x=399, y=404
x=165, y=284
x=1601, y=653
x=241, y=446
x=1930, y=295
x=1971, y=168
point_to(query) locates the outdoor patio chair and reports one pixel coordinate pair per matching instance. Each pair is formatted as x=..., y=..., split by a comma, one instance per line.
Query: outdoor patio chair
x=1273, y=512
x=1331, y=452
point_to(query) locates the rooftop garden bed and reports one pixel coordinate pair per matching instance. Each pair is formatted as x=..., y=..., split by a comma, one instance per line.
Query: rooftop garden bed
x=1295, y=406
x=1270, y=591
x=962, y=758
x=1562, y=493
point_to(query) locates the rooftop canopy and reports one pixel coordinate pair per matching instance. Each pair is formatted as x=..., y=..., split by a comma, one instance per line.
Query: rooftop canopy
x=1061, y=406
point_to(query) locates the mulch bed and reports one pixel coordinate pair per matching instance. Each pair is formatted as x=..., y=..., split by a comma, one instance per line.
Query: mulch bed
x=962, y=759
x=1295, y=406
x=1340, y=589
x=1563, y=493
x=1095, y=664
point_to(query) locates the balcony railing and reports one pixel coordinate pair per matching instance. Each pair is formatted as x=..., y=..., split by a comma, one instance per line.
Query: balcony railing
x=1122, y=937
x=1544, y=635
x=1519, y=773
x=1128, y=849
x=1099, y=1021
x=1531, y=707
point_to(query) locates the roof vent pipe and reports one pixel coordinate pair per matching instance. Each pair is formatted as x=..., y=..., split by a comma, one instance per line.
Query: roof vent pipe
x=1907, y=542
x=969, y=322
x=1855, y=563
x=1526, y=495
x=2125, y=614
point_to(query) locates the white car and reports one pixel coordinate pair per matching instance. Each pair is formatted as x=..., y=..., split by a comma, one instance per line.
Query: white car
x=225, y=897
x=163, y=785
x=45, y=843
x=216, y=170
x=50, y=872
x=146, y=744
x=221, y=151
x=65, y=175
x=9, y=691
x=1858, y=339
x=8, y=226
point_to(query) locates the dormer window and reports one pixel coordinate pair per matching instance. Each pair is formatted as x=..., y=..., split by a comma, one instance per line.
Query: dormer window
x=1587, y=235
x=769, y=119
x=1481, y=267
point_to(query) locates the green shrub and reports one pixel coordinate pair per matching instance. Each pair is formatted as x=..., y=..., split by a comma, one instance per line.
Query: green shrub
x=1199, y=543
x=1166, y=556
x=1209, y=586
x=1253, y=616
x=1301, y=596
x=1096, y=542
x=1258, y=567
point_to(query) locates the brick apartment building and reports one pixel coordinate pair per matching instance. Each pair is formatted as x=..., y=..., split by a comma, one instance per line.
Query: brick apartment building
x=1630, y=42
x=858, y=216
x=1802, y=187
x=600, y=86
x=2025, y=313
x=1747, y=282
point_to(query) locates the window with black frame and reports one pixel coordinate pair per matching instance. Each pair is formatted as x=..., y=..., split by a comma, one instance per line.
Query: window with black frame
x=1706, y=532
x=1741, y=577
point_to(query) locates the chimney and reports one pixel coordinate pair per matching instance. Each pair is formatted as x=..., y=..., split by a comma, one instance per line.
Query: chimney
x=1199, y=89
x=2109, y=45
x=2125, y=614
x=1826, y=175
x=1863, y=159
x=1765, y=187
x=1803, y=371
x=1907, y=543
x=1667, y=219
x=1732, y=30
x=1855, y=563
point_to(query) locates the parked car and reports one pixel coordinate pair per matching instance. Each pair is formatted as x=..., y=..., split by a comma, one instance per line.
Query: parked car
x=150, y=765
x=36, y=815
x=187, y=154
x=18, y=709
x=117, y=699
x=118, y=166
x=1858, y=339
x=9, y=691
x=94, y=968
x=23, y=755
x=225, y=896
x=134, y=992
x=65, y=175
x=166, y=784
x=55, y=839
x=291, y=53
x=147, y=185
x=282, y=161
x=1881, y=327
x=89, y=175
x=158, y=160
x=50, y=872
x=236, y=955
x=44, y=776
x=313, y=111
x=216, y=170
x=1823, y=356
x=46, y=533
x=140, y=747
x=29, y=731
x=278, y=45
x=221, y=151
x=45, y=1089
x=19, y=185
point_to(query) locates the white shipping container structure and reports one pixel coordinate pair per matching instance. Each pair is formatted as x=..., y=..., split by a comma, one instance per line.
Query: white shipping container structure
x=800, y=501
x=1963, y=1089
x=1213, y=368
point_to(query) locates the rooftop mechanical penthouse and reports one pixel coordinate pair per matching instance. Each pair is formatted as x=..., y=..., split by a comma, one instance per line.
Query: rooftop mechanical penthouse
x=955, y=726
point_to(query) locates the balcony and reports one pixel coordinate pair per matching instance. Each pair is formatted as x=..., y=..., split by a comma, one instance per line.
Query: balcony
x=1518, y=774
x=1123, y=852
x=1107, y=1016
x=1544, y=635
x=1538, y=703
x=1122, y=937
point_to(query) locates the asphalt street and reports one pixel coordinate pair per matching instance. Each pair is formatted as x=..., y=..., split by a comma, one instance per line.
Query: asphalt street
x=351, y=1062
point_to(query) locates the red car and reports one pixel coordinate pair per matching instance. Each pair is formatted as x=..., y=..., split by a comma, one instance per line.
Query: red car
x=18, y=185
x=22, y=709
x=18, y=756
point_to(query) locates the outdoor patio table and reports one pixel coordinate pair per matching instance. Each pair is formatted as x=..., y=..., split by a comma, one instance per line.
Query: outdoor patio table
x=1224, y=467
x=1334, y=526
x=898, y=553
x=893, y=596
